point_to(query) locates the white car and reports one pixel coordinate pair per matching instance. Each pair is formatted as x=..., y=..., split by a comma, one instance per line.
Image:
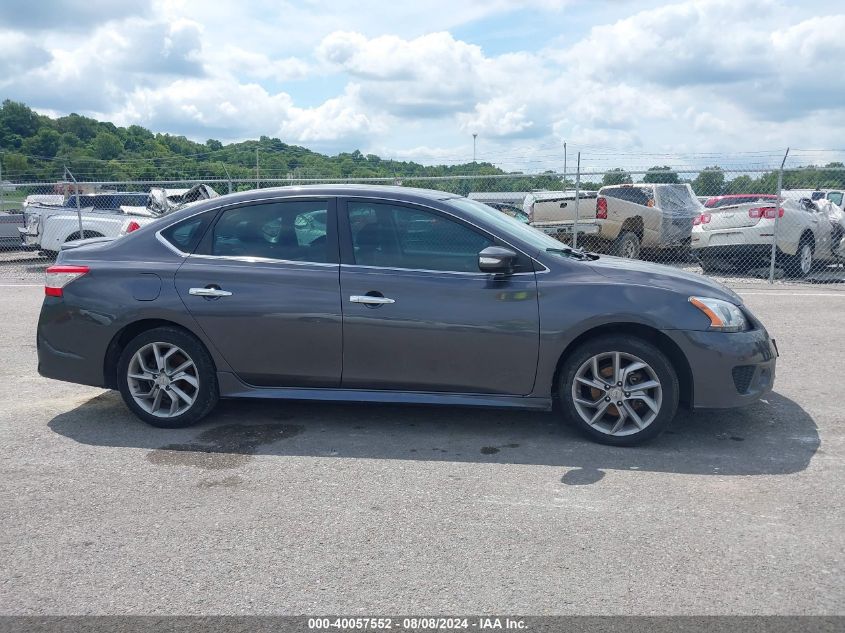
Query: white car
x=740, y=235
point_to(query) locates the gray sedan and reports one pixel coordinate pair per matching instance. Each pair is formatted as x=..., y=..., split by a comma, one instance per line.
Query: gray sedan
x=390, y=294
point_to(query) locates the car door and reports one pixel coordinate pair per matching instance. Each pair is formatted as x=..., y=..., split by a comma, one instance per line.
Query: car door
x=263, y=286
x=418, y=315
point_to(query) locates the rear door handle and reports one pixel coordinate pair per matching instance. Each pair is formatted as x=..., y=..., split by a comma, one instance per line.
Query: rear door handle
x=209, y=292
x=370, y=299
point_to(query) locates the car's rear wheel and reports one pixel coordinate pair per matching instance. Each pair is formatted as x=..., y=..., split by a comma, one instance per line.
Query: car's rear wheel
x=801, y=264
x=619, y=390
x=167, y=378
x=627, y=245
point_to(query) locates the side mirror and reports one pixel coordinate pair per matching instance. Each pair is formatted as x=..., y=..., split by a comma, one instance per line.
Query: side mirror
x=497, y=260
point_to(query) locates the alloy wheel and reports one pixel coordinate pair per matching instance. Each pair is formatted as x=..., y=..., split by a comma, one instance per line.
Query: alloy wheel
x=163, y=380
x=806, y=258
x=617, y=393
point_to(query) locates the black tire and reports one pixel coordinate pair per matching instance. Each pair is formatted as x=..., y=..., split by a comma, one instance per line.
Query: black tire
x=207, y=393
x=794, y=265
x=709, y=265
x=627, y=245
x=85, y=236
x=644, y=350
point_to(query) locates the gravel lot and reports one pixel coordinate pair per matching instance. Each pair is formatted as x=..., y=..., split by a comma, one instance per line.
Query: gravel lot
x=353, y=509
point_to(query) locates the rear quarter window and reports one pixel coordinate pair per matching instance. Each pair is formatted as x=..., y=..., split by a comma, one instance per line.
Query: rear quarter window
x=185, y=235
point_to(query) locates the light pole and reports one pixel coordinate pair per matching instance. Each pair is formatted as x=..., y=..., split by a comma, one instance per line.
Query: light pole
x=564, y=165
x=474, y=136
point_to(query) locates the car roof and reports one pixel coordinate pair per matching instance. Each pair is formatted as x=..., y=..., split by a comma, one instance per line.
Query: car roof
x=350, y=189
x=405, y=194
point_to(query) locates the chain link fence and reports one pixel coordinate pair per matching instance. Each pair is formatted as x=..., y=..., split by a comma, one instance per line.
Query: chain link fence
x=743, y=227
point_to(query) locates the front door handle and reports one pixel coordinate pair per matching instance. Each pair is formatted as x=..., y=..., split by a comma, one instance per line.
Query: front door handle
x=371, y=300
x=209, y=292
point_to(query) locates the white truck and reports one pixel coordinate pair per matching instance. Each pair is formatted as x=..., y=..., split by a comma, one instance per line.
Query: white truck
x=109, y=215
x=620, y=219
x=48, y=226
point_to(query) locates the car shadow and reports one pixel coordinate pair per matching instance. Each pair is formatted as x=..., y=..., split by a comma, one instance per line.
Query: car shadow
x=772, y=437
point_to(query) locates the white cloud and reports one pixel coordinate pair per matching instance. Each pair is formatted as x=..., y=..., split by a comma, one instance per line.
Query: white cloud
x=497, y=117
x=395, y=78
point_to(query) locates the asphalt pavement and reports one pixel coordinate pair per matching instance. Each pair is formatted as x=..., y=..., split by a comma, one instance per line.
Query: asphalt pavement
x=308, y=508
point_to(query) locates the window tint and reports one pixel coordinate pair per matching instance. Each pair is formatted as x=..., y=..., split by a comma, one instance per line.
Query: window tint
x=185, y=235
x=293, y=231
x=402, y=237
x=636, y=195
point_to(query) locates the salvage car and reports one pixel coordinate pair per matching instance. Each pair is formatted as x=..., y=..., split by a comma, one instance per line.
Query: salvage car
x=401, y=295
x=739, y=236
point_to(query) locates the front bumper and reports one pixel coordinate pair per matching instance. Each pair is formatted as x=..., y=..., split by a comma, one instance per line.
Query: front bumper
x=29, y=241
x=728, y=369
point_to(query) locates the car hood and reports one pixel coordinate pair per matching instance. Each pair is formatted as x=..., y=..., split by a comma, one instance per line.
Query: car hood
x=634, y=271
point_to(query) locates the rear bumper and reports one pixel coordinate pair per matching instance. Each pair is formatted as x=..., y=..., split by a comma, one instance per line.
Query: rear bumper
x=728, y=369
x=744, y=252
x=556, y=230
x=70, y=343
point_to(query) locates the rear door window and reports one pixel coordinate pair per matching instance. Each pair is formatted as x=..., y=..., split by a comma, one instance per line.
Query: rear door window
x=291, y=231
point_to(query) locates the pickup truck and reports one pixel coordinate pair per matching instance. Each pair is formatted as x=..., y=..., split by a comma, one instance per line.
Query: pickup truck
x=47, y=226
x=109, y=215
x=621, y=219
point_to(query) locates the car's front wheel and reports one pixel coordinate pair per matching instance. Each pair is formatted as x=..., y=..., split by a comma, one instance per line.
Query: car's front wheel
x=619, y=390
x=167, y=378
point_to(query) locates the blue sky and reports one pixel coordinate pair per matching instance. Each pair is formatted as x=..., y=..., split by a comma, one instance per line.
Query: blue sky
x=634, y=82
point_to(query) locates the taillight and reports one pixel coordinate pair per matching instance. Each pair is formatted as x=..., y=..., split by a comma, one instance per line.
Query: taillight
x=60, y=276
x=601, y=208
x=132, y=226
x=704, y=218
x=764, y=212
x=696, y=220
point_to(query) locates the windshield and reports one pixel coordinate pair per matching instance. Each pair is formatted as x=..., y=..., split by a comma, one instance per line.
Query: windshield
x=508, y=225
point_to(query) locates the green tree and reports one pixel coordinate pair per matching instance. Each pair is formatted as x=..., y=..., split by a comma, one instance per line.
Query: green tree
x=45, y=143
x=106, y=146
x=663, y=174
x=616, y=176
x=18, y=118
x=709, y=182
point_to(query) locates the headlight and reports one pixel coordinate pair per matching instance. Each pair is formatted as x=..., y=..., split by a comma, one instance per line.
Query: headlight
x=724, y=316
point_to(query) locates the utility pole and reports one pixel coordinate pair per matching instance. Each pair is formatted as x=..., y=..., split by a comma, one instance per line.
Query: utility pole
x=2, y=186
x=257, y=182
x=773, y=255
x=577, y=196
x=564, y=165
x=474, y=136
